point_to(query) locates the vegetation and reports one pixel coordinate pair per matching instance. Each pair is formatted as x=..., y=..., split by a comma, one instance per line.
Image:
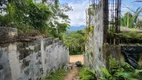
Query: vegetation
x=117, y=71
x=86, y=74
x=58, y=75
x=75, y=41
x=120, y=71
x=132, y=20
x=127, y=37
x=29, y=15
x=130, y=37
x=88, y=30
x=90, y=11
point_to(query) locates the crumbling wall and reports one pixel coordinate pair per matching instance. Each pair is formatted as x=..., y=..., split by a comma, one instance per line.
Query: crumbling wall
x=88, y=55
x=94, y=59
x=124, y=53
x=98, y=36
x=32, y=60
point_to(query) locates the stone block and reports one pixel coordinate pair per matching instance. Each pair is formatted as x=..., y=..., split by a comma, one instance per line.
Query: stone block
x=7, y=33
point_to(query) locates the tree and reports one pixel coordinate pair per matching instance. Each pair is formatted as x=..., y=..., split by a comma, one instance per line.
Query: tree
x=75, y=41
x=131, y=20
x=29, y=14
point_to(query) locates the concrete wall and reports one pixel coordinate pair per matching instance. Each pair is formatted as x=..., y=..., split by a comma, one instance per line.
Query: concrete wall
x=88, y=55
x=31, y=60
x=98, y=37
x=94, y=48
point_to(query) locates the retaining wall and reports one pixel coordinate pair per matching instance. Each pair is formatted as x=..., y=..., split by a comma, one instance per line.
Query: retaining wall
x=32, y=60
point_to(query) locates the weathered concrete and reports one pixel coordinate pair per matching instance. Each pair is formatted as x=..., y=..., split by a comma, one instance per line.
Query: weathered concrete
x=93, y=57
x=7, y=33
x=98, y=37
x=88, y=55
x=89, y=45
x=31, y=60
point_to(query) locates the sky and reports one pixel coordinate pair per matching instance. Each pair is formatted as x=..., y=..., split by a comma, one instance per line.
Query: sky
x=78, y=16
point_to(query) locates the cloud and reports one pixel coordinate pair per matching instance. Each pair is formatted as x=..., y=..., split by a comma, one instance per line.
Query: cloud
x=78, y=15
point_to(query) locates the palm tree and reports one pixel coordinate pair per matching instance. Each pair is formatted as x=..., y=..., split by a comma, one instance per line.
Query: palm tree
x=131, y=19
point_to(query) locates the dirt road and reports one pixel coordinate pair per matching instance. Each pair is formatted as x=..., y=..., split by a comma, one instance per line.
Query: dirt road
x=75, y=58
x=73, y=74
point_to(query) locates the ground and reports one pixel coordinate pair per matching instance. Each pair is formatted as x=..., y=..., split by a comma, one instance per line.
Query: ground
x=75, y=58
x=73, y=74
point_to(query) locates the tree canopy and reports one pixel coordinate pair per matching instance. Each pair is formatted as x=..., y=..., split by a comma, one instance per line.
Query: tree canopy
x=29, y=15
x=75, y=40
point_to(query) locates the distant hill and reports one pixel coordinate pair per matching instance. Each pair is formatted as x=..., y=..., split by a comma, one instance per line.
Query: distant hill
x=75, y=28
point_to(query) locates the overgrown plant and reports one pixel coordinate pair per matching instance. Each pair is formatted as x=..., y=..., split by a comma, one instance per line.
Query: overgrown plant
x=88, y=30
x=130, y=37
x=120, y=71
x=29, y=15
x=127, y=37
x=131, y=20
x=87, y=74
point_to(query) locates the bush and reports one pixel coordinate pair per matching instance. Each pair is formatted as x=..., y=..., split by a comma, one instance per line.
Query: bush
x=120, y=71
x=87, y=74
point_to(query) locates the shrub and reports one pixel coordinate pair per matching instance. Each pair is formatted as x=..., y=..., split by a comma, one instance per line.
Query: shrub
x=87, y=74
x=120, y=71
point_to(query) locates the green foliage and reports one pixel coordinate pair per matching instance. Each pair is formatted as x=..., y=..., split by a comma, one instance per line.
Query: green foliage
x=127, y=37
x=28, y=15
x=127, y=20
x=87, y=74
x=38, y=15
x=131, y=20
x=75, y=41
x=88, y=30
x=58, y=75
x=90, y=11
x=120, y=71
x=130, y=37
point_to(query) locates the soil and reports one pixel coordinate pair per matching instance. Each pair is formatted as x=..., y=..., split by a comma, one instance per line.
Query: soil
x=75, y=58
x=73, y=74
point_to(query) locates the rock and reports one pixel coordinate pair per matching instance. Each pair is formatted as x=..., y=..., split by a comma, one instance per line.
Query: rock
x=68, y=66
x=78, y=64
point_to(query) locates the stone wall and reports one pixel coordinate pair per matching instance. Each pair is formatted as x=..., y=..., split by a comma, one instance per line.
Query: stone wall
x=32, y=60
x=88, y=54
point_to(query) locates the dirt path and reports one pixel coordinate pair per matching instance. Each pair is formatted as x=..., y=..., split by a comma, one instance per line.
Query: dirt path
x=75, y=58
x=73, y=74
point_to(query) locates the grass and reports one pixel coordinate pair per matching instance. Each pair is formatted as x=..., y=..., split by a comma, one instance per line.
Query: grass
x=58, y=75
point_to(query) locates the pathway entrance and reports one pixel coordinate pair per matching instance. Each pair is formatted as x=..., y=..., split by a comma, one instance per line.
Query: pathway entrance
x=73, y=74
x=75, y=58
